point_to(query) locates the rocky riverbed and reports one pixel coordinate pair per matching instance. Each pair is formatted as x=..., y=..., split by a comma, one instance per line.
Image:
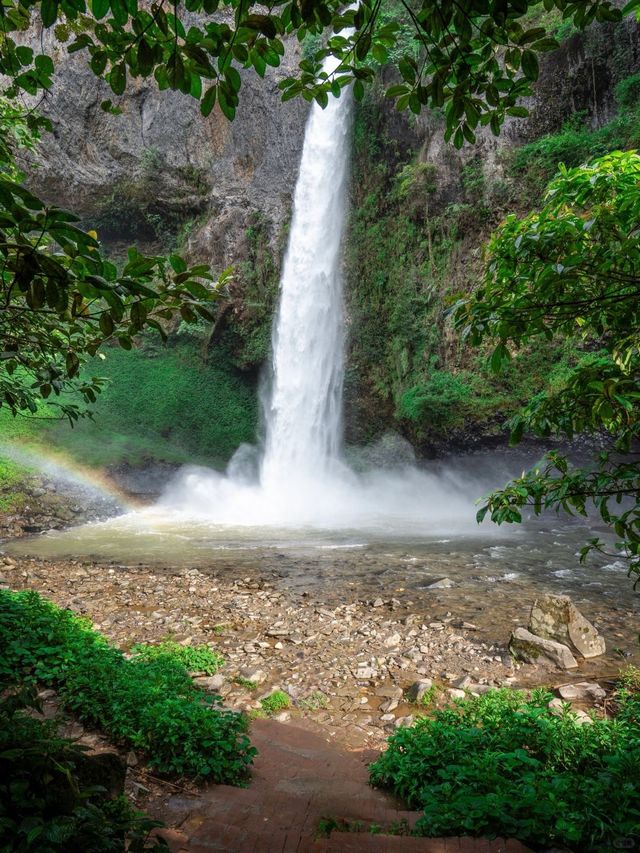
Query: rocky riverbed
x=358, y=668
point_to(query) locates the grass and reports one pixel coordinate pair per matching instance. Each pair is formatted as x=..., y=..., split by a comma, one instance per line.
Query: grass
x=148, y=702
x=275, y=702
x=164, y=403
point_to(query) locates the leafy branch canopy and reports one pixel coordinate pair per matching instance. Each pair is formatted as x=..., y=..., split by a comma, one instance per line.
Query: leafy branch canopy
x=573, y=269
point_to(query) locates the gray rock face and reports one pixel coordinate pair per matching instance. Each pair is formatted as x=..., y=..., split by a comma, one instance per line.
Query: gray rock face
x=555, y=617
x=532, y=649
x=222, y=170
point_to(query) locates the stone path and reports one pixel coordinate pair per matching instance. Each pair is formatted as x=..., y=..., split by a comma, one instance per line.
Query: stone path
x=299, y=779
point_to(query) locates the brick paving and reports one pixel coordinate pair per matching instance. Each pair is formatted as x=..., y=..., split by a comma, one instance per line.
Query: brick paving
x=298, y=779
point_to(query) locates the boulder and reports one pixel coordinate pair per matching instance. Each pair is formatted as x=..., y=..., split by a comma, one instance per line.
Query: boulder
x=580, y=691
x=532, y=649
x=418, y=690
x=555, y=617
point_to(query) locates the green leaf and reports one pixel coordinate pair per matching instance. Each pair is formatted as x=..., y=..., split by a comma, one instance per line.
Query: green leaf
x=99, y=8
x=530, y=66
x=49, y=12
x=209, y=100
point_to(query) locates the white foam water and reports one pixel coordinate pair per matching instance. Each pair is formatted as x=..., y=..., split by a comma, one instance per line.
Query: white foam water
x=299, y=478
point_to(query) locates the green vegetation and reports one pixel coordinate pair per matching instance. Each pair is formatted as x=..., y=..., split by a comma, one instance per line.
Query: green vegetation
x=167, y=403
x=46, y=805
x=409, y=251
x=62, y=299
x=573, y=270
x=133, y=209
x=144, y=703
x=246, y=683
x=314, y=701
x=576, y=143
x=504, y=764
x=275, y=702
x=193, y=658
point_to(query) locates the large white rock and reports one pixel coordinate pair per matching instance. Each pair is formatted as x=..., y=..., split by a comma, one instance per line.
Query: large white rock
x=532, y=649
x=581, y=690
x=555, y=617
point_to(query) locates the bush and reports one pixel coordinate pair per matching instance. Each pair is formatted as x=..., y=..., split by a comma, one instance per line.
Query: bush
x=443, y=400
x=502, y=764
x=145, y=703
x=44, y=805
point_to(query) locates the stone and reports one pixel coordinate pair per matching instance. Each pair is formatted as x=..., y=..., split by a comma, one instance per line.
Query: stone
x=364, y=673
x=442, y=583
x=404, y=722
x=393, y=641
x=580, y=691
x=455, y=693
x=389, y=705
x=378, y=603
x=210, y=682
x=418, y=689
x=282, y=717
x=555, y=617
x=251, y=674
x=463, y=683
x=530, y=648
x=132, y=759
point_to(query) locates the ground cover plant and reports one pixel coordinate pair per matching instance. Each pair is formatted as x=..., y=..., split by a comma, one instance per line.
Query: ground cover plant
x=144, y=703
x=193, y=658
x=504, y=764
x=46, y=804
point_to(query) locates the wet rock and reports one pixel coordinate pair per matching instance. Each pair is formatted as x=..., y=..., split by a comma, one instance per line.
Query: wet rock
x=442, y=583
x=389, y=705
x=581, y=691
x=418, y=689
x=530, y=648
x=555, y=617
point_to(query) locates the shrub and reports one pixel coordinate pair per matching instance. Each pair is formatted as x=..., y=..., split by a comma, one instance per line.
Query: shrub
x=442, y=400
x=193, y=658
x=45, y=806
x=145, y=703
x=502, y=764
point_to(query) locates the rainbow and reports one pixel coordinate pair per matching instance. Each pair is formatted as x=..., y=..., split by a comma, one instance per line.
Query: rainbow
x=61, y=467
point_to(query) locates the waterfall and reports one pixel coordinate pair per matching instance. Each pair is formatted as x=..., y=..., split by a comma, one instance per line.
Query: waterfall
x=300, y=479
x=303, y=412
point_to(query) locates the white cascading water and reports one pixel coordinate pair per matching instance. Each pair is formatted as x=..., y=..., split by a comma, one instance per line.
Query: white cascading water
x=301, y=480
x=303, y=414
